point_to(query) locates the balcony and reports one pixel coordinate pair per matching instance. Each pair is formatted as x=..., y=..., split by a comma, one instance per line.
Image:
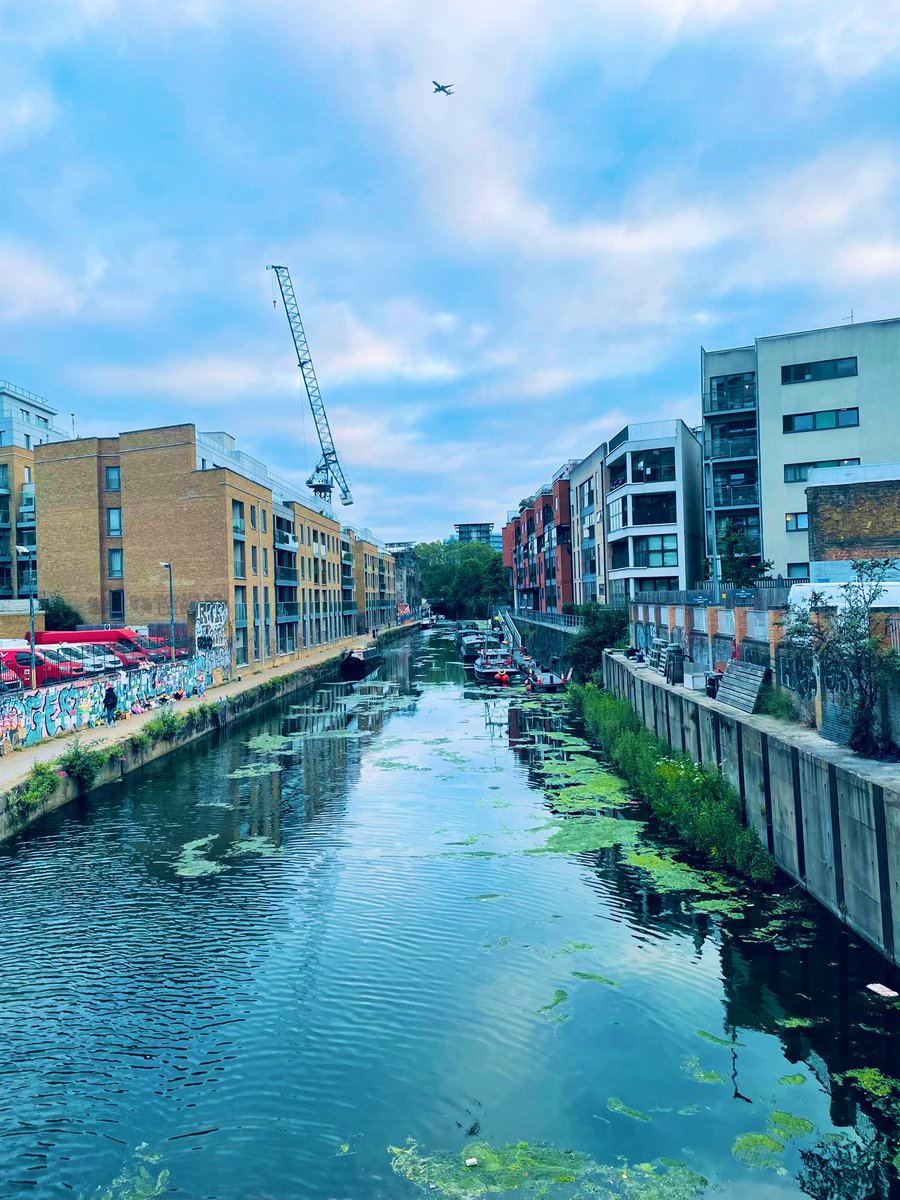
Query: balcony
x=26, y=517
x=238, y=527
x=287, y=541
x=737, y=399
x=349, y=610
x=287, y=576
x=733, y=447
x=287, y=611
x=742, y=495
x=346, y=557
x=240, y=614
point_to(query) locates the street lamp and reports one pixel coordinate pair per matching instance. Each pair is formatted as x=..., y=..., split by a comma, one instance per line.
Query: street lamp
x=168, y=567
x=29, y=552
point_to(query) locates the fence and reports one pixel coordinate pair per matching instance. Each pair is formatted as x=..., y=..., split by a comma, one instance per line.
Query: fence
x=555, y=620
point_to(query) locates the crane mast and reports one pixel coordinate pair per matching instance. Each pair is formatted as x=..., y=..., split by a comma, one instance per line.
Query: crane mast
x=329, y=472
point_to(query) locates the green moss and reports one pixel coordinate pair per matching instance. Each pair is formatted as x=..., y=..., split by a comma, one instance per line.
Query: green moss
x=616, y=1106
x=787, y=1126
x=757, y=1150
x=594, y=978
x=792, y=1080
x=579, y=835
x=716, y=1041
x=871, y=1080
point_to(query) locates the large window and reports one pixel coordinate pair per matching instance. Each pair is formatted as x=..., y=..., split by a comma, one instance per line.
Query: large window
x=798, y=570
x=237, y=516
x=113, y=479
x=728, y=393
x=656, y=509
x=4, y=475
x=115, y=564
x=667, y=583
x=653, y=466
x=799, y=472
x=656, y=550
x=831, y=418
x=618, y=473
x=619, y=554
x=794, y=522
x=618, y=514
x=116, y=605
x=812, y=372
x=114, y=522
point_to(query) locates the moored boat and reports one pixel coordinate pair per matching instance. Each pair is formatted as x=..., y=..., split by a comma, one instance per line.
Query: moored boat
x=544, y=681
x=496, y=668
x=358, y=663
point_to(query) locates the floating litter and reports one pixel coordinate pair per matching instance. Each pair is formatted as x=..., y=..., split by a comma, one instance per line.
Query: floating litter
x=880, y=990
x=471, y=1162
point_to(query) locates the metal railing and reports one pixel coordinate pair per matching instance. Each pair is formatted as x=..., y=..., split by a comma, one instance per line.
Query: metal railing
x=737, y=399
x=565, y=621
x=738, y=496
x=744, y=446
x=287, y=609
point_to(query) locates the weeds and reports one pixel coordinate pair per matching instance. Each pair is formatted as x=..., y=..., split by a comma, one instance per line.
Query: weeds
x=778, y=704
x=699, y=807
x=82, y=765
x=43, y=780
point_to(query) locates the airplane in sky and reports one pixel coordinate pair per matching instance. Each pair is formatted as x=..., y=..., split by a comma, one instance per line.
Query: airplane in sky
x=446, y=88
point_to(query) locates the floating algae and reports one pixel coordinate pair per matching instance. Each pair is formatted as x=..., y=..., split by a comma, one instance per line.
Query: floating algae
x=666, y=873
x=498, y=945
x=395, y=764
x=254, y=770
x=593, y=796
x=458, y=760
x=579, y=835
x=787, y=1126
x=560, y=996
x=135, y=1181
x=721, y=907
x=253, y=845
x=570, y=947
x=469, y=841
x=692, y=1067
x=488, y=896
x=793, y=1080
x=716, y=1041
x=871, y=1080
x=616, y=1106
x=266, y=743
x=523, y=1166
x=797, y=1022
x=192, y=862
x=594, y=978
x=757, y=1150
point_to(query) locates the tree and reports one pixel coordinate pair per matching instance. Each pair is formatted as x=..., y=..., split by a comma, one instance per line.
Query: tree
x=462, y=579
x=741, y=567
x=838, y=634
x=59, y=614
x=604, y=625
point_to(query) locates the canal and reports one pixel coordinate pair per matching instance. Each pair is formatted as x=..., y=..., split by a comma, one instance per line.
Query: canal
x=379, y=930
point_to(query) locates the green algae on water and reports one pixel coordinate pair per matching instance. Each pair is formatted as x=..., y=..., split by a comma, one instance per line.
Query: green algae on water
x=716, y=1041
x=797, y=1022
x=692, y=1067
x=192, y=862
x=722, y=907
x=616, y=1106
x=253, y=845
x=757, y=1150
x=485, y=896
x=266, y=743
x=560, y=996
x=666, y=873
x=395, y=764
x=787, y=1126
x=593, y=796
x=135, y=1181
x=871, y=1080
x=520, y=1166
x=254, y=770
x=588, y=975
x=579, y=835
x=793, y=1080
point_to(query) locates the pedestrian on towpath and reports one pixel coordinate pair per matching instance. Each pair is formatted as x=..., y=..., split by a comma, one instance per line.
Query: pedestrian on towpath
x=110, y=704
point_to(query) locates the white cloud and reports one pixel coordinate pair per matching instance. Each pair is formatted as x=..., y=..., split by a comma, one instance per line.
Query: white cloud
x=32, y=288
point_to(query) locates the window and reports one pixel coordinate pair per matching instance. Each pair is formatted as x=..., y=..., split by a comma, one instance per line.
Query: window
x=28, y=475
x=619, y=554
x=113, y=479
x=240, y=563
x=618, y=473
x=799, y=472
x=796, y=521
x=667, y=583
x=252, y=516
x=27, y=441
x=265, y=561
x=253, y=559
x=114, y=522
x=660, y=550
x=262, y=517
x=653, y=466
x=829, y=368
x=618, y=514
x=798, y=570
x=114, y=561
x=4, y=475
x=237, y=516
x=116, y=605
x=656, y=509
x=832, y=418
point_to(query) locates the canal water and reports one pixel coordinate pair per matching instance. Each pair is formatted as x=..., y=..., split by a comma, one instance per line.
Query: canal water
x=356, y=941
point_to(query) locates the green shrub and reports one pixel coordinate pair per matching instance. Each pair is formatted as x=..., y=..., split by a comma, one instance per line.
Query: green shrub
x=776, y=704
x=138, y=742
x=166, y=727
x=43, y=780
x=81, y=764
x=605, y=626
x=700, y=807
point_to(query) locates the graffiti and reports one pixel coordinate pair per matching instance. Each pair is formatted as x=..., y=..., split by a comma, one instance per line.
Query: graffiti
x=797, y=673
x=756, y=652
x=29, y=717
x=210, y=626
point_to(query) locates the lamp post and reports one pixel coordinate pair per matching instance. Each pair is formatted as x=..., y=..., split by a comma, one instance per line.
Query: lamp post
x=168, y=567
x=29, y=552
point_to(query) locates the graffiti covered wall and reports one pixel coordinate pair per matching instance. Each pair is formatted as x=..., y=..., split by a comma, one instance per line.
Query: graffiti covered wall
x=31, y=716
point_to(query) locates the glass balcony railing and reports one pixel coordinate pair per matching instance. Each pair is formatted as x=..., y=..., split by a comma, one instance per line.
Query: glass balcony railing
x=287, y=610
x=736, y=399
x=734, y=447
x=737, y=496
x=240, y=612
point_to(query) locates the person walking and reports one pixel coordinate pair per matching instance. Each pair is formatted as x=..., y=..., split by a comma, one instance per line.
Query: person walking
x=110, y=704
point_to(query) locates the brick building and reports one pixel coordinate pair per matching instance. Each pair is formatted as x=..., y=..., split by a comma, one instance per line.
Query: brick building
x=537, y=547
x=111, y=510
x=854, y=513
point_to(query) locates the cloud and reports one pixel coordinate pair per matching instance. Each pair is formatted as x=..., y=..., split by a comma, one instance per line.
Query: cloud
x=33, y=288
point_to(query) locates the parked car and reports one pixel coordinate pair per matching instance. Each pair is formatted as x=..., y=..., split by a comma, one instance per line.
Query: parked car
x=94, y=658
x=45, y=669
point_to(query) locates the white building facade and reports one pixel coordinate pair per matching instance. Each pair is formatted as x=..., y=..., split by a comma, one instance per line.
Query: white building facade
x=589, y=529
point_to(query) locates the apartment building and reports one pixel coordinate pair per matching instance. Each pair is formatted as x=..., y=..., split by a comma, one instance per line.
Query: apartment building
x=407, y=575
x=26, y=421
x=478, y=531
x=112, y=510
x=654, y=509
x=374, y=581
x=787, y=405
x=589, y=528
x=537, y=547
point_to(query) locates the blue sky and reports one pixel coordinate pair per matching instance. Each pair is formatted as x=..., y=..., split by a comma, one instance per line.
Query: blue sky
x=491, y=283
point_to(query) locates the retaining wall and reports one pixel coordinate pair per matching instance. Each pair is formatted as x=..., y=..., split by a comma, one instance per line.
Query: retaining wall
x=543, y=642
x=830, y=818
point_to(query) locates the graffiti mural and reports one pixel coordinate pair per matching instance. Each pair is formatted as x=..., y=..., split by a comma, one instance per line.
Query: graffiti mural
x=797, y=673
x=211, y=626
x=31, y=716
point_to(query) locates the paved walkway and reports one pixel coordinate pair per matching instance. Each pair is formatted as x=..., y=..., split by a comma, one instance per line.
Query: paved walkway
x=15, y=766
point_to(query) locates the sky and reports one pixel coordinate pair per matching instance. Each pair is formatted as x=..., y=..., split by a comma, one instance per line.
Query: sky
x=491, y=283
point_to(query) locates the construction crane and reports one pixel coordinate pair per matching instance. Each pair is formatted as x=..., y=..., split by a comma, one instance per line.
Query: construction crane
x=329, y=472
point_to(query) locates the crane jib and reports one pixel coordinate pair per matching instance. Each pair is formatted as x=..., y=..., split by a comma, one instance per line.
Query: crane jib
x=329, y=471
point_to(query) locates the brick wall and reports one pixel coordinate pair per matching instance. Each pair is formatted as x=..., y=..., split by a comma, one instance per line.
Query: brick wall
x=854, y=520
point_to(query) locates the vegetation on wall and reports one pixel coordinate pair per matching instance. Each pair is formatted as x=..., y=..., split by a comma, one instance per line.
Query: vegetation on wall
x=462, y=579
x=741, y=565
x=605, y=625
x=59, y=614
x=700, y=807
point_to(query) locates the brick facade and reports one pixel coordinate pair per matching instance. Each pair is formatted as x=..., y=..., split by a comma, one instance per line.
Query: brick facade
x=854, y=520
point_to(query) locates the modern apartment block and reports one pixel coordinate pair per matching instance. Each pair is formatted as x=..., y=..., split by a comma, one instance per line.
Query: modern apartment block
x=374, y=583
x=26, y=421
x=113, y=509
x=654, y=509
x=589, y=528
x=537, y=547
x=478, y=531
x=788, y=404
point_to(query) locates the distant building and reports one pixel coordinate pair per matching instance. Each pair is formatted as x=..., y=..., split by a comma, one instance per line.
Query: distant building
x=775, y=411
x=408, y=575
x=589, y=528
x=479, y=531
x=654, y=509
x=537, y=547
x=854, y=513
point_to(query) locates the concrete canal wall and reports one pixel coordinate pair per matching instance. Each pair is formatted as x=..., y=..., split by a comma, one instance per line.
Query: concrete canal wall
x=830, y=818
x=544, y=641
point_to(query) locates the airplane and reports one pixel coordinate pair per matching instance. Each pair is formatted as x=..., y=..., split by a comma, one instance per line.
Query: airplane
x=446, y=88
